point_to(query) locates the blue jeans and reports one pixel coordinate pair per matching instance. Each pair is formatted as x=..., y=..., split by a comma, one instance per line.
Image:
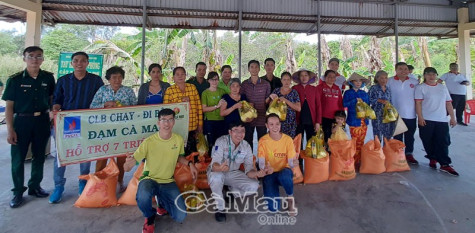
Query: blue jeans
x=58, y=172
x=166, y=193
x=271, y=184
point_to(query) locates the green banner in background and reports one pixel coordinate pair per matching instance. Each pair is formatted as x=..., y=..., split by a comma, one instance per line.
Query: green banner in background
x=95, y=64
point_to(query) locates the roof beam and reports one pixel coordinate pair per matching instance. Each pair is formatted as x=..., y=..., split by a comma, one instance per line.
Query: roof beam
x=24, y=5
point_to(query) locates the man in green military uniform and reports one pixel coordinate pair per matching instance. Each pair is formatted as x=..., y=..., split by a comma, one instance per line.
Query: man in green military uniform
x=28, y=95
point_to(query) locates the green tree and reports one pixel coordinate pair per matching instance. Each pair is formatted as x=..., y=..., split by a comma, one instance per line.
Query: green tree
x=61, y=40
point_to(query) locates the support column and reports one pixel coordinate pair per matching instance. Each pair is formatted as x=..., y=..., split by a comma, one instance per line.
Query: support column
x=34, y=17
x=240, y=40
x=319, y=74
x=144, y=25
x=396, y=31
x=464, y=28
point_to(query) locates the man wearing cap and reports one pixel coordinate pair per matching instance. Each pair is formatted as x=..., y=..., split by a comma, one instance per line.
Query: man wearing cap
x=457, y=84
x=402, y=94
x=73, y=91
x=269, y=66
x=28, y=96
x=334, y=64
x=432, y=106
x=229, y=153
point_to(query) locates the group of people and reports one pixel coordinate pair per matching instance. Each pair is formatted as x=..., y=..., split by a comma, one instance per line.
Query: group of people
x=32, y=96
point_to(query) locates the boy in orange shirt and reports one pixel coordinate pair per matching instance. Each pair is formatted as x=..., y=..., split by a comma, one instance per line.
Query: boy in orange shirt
x=276, y=155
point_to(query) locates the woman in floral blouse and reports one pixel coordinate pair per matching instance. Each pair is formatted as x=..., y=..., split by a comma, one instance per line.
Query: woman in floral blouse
x=291, y=98
x=379, y=95
x=109, y=96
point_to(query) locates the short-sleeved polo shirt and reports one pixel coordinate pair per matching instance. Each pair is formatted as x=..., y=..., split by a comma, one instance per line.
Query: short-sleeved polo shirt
x=402, y=96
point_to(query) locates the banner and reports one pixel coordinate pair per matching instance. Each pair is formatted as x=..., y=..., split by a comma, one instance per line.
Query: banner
x=92, y=134
x=64, y=64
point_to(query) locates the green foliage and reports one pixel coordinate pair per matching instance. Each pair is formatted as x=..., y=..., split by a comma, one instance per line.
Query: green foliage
x=10, y=43
x=61, y=40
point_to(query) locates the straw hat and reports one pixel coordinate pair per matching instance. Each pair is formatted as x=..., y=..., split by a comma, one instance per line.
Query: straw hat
x=312, y=76
x=356, y=76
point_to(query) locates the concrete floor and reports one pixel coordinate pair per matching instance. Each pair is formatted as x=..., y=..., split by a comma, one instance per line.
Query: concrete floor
x=422, y=200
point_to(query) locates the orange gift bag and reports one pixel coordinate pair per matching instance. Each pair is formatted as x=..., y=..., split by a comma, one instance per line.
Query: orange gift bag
x=182, y=173
x=128, y=198
x=395, y=158
x=372, y=157
x=100, y=190
x=202, y=167
x=298, y=176
x=342, y=163
x=316, y=170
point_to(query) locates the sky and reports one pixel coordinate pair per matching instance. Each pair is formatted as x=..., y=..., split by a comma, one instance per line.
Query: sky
x=21, y=28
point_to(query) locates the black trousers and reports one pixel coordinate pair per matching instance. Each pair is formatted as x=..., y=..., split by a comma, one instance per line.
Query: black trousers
x=458, y=102
x=327, y=124
x=436, y=140
x=34, y=130
x=408, y=136
x=261, y=131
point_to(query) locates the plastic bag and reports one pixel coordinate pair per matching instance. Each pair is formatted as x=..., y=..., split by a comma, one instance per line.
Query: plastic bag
x=342, y=163
x=247, y=111
x=315, y=148
x=372, y=157
x=363, y=110
x=339, y=135
x=182, y=173
x=360, y=109
x=128, y=198
x=278, y=107
x=194, y=200
x=370, y=114
x=316, y=170
x=389, y=113
x=395, y=158
x=100, y=190
x=202, y=144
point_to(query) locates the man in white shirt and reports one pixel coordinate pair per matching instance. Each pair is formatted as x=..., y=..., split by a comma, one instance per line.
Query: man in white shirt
x=402, y=96
x=230, y=152
x=457, y=84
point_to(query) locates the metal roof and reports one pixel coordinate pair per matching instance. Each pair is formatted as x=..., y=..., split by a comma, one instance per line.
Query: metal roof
x=357, y=17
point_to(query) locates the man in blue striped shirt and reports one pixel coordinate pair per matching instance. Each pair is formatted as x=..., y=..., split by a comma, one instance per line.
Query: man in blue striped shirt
x=74, y=91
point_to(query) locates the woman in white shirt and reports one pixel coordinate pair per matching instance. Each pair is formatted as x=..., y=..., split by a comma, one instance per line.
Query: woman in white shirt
x=433, y=103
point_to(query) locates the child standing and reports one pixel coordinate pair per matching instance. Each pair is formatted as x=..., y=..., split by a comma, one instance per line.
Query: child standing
x=358, y=127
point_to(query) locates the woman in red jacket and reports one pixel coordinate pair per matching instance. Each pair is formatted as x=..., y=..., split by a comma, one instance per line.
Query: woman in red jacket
x=309, y=118
x=332, y=101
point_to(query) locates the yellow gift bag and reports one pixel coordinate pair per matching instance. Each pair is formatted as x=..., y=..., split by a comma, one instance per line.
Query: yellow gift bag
x=278, y=107
x=247, y=111
x=389, y=113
